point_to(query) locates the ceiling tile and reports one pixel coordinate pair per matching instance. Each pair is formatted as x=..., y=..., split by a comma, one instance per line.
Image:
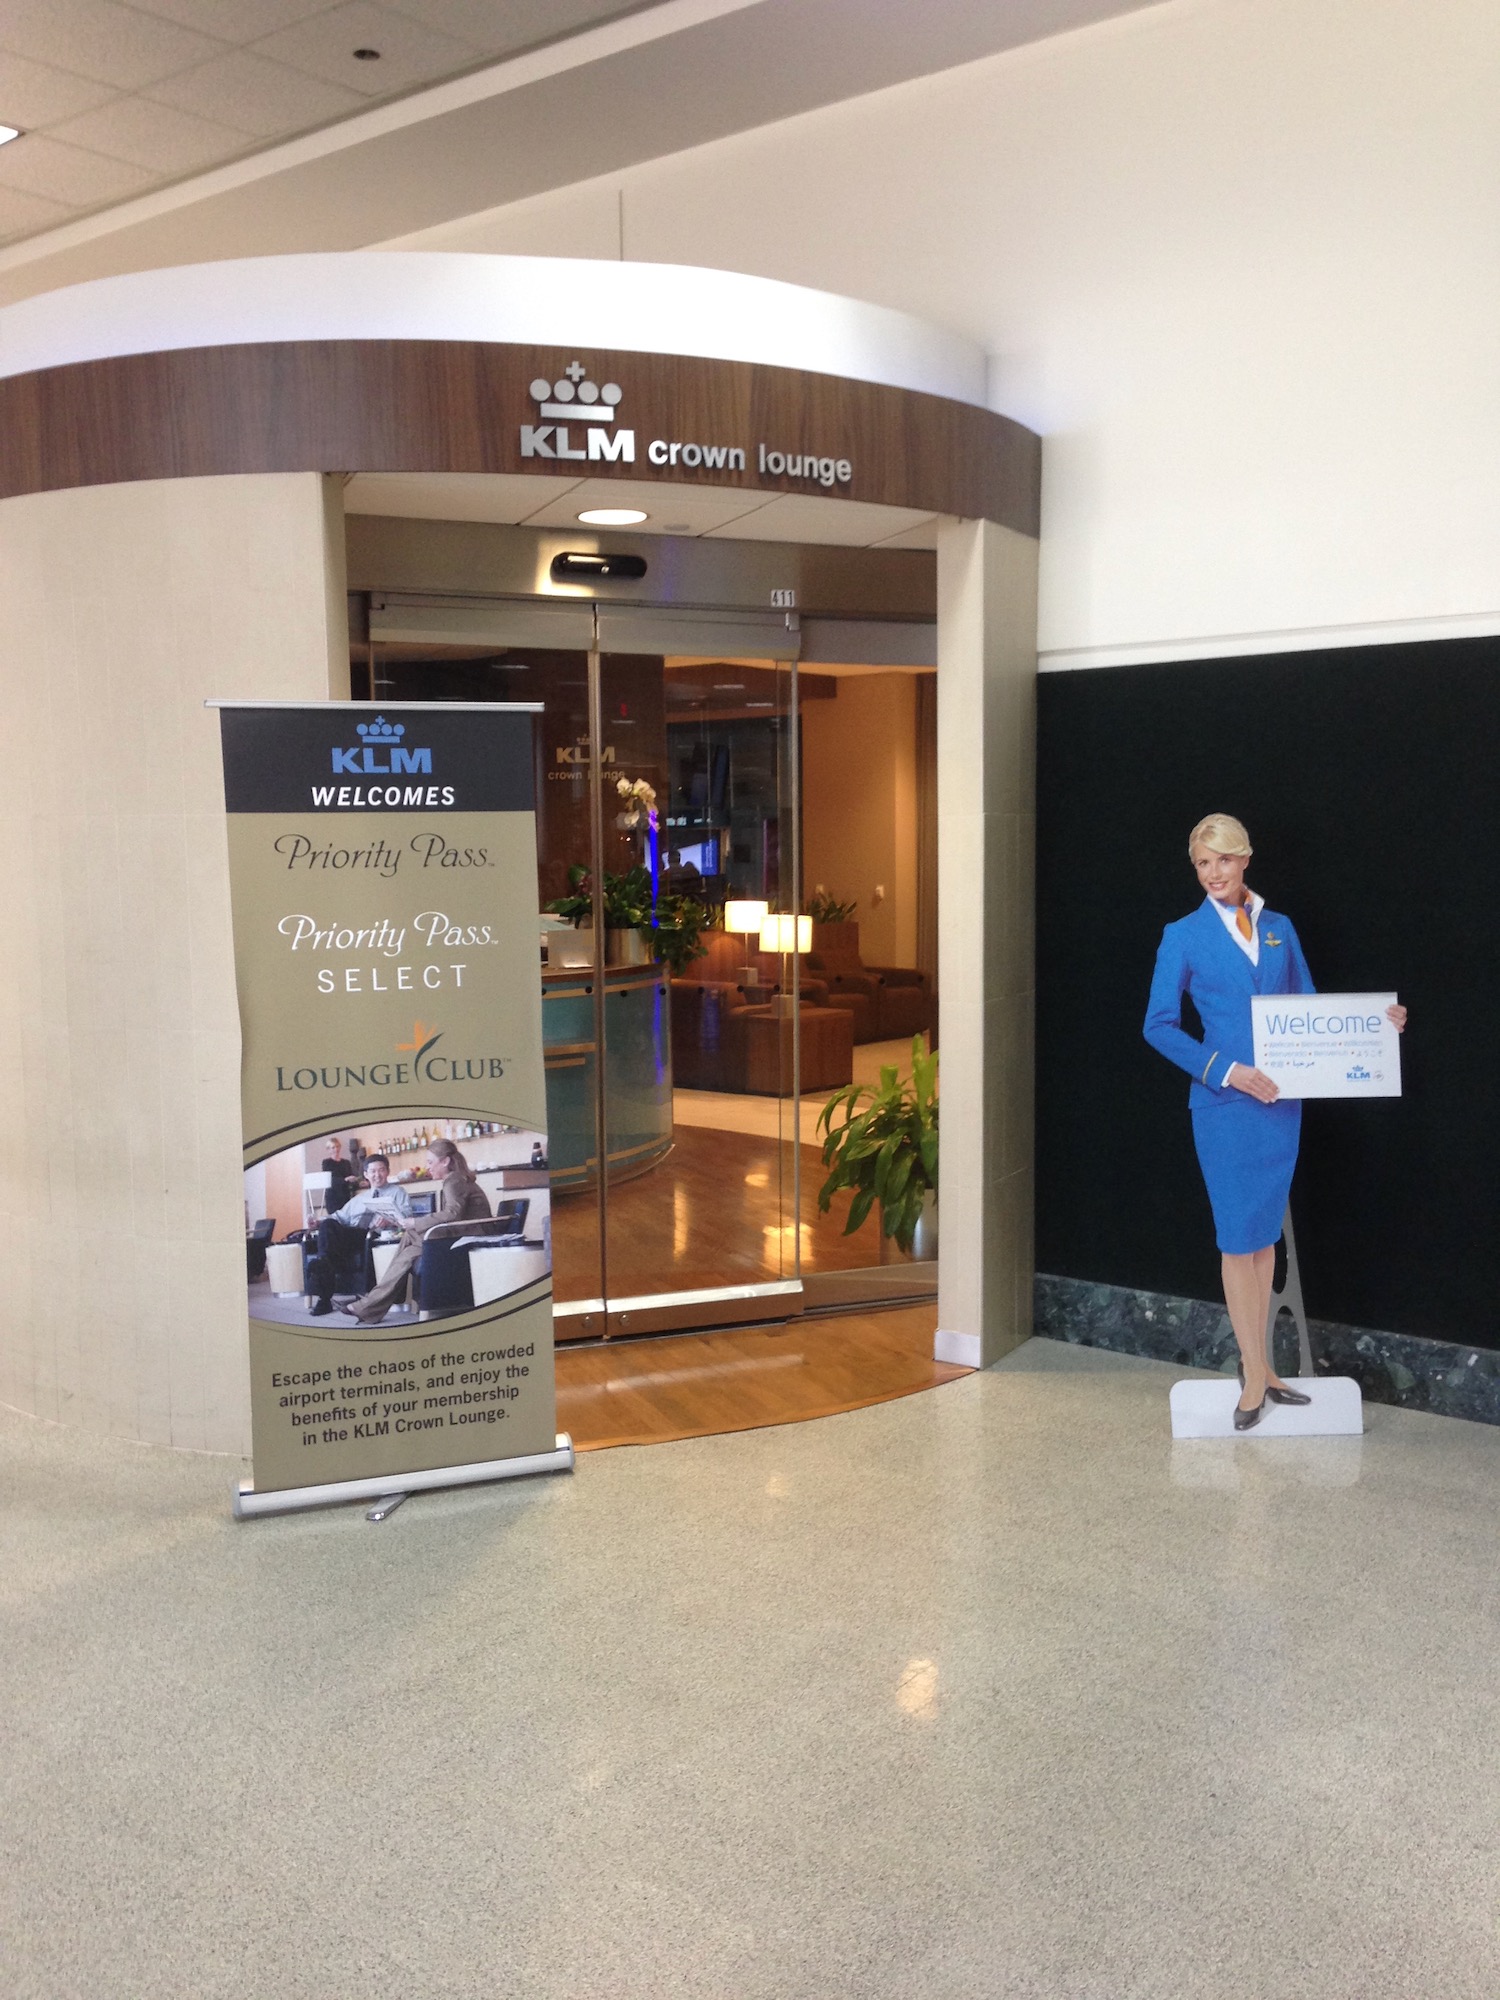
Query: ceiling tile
x=39, y=165
x=152, y=135
x=450, y=496
x=234, y=20
x=96, y=38
x=262, y=97
x=22, y=214
x=519, y=25
x=802, y=517
x=670, y=509
x=409, y=53
x=34, y=94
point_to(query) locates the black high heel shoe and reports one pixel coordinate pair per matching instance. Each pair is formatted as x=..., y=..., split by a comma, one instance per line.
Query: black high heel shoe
x=1246, y=1420
x=1273, y=1394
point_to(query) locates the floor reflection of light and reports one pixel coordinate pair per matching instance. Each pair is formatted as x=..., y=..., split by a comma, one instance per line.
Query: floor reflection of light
x=776, y=1486
x=705, y=1371
x=757, y=1180
x=916, y=1691
x=681, y=1220
x=782, y=1240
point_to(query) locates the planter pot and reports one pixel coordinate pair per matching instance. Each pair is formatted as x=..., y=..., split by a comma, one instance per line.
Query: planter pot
x=571, y=948
x=837, y=940
x=626, y=947
x=924, y=1245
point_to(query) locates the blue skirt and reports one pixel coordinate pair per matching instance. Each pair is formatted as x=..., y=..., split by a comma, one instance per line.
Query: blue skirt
x=1248, y=1153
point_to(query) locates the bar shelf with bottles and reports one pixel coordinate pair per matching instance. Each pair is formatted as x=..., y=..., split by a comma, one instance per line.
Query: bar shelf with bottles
x=488, y=1146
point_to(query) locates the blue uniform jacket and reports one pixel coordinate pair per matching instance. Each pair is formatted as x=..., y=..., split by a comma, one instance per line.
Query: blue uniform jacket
x=1198, y=956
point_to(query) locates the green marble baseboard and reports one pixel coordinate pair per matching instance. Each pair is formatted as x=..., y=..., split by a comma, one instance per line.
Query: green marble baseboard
x=1439, y=1376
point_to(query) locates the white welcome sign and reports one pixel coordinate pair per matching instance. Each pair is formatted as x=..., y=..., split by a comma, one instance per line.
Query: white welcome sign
x=1328, y=1044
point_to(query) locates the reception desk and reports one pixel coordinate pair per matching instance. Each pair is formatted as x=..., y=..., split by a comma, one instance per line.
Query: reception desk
x=638, y=1073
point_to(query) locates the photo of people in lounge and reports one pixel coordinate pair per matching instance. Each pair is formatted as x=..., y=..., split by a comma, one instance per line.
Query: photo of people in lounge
x=387, y=1229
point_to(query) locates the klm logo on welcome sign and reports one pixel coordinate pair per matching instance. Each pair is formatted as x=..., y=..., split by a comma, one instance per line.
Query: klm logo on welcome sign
x=379, y=736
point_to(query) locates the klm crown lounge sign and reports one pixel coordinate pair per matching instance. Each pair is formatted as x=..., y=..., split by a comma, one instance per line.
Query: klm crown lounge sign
x=575, y=406
x=580, y=421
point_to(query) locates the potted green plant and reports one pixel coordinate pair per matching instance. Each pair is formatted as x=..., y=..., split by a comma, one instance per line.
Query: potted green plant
x=627, y=911
x=835, y=935
x=882, y=1143
x=826, y=909
x=680, y=924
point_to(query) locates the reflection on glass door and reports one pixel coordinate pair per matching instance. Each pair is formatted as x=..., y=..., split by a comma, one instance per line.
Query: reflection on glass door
x=700, y=823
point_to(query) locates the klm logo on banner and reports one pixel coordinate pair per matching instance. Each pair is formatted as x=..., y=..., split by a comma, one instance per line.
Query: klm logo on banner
x=380, y=735
x=574, y=403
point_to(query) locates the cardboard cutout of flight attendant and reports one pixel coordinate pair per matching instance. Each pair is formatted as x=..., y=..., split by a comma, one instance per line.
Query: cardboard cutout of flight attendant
x=1246, y=1134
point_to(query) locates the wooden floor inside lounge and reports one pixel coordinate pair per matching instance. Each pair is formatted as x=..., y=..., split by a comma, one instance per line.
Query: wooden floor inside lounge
x=698, y=1385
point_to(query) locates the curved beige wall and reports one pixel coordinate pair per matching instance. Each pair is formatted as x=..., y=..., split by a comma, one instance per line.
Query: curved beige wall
x=122, y=608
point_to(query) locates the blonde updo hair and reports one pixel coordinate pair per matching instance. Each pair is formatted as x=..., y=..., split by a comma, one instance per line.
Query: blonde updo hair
x=1221, y=832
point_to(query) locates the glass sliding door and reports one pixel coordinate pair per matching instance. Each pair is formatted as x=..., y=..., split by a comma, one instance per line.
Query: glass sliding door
x=514, y=652
x=701, y=709
x=666, y=759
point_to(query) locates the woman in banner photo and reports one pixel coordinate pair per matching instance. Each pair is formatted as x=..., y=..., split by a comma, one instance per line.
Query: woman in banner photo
x=460, y=1199
x=1245, y=1132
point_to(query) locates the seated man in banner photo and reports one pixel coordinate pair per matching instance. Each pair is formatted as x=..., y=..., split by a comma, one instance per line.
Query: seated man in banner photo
x=461, y=1200
x=341, y=1238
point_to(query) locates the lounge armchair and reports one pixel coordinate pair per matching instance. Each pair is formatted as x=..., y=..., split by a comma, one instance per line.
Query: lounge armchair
x=888, y=1001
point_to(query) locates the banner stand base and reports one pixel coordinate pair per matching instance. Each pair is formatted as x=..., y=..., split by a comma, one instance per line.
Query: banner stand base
x=246, y=1504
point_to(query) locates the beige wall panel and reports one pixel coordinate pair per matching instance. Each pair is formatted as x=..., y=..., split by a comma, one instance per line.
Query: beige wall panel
x=122, y=608
x=987, y=580
x=859, y=807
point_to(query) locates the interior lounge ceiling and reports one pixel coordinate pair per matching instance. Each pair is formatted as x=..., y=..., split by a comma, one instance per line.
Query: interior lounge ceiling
x=739, y=514
x=156, y=133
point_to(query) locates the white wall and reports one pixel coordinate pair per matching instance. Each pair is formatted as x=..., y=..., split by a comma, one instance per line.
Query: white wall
x=1237, y=259
x=122, y=608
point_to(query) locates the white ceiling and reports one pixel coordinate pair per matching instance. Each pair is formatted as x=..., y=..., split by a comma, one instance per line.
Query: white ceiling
x=157, y=133
x=114, y=101
x=716, y=512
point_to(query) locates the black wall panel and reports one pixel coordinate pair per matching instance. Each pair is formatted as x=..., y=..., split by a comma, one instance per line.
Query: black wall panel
x=1370, y=781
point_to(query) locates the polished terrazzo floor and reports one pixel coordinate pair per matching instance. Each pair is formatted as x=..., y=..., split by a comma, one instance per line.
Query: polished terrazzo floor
x=990, y=1691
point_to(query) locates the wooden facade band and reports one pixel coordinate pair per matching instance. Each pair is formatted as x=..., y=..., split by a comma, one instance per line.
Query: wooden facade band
x=459, y=406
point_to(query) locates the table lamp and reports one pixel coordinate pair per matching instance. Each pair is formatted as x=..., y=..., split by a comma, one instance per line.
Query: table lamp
x=746, y=919
x=788, y=937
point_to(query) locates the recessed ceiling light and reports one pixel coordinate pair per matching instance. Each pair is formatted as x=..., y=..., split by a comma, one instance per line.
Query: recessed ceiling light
x=9, y=132
x=613, y=517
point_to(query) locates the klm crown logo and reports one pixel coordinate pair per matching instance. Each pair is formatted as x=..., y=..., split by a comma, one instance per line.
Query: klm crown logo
x=574, y=400
x=375, y=737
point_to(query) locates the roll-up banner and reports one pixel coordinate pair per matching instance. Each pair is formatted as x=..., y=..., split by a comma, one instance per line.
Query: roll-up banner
x=398, y=1224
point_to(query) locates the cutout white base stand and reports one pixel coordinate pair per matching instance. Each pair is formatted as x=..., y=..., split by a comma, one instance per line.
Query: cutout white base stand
x=1206, y=1410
